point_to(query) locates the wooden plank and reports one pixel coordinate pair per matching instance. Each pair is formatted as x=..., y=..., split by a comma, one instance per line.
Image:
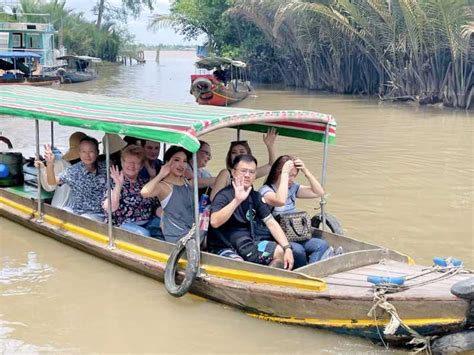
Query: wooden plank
x=344, y=262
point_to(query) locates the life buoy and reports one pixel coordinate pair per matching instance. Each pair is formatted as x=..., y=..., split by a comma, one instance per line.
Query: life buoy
x=331, y=222
x=202, y=85
x=188, y=245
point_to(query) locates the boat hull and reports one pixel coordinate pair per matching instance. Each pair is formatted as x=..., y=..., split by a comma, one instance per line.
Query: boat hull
x=214, y=92
x=31, y=81
x=70, y=77
x=271, y=294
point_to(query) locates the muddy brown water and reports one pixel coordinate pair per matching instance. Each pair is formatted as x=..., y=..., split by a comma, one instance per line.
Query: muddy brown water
x=400, y=176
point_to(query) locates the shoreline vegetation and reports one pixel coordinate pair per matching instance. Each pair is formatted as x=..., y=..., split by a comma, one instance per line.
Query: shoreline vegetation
x=399, y=50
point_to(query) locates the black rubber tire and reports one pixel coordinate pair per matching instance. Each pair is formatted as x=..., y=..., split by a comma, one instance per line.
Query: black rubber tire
x=201, y=85
x=192, y=267
x=331, y=222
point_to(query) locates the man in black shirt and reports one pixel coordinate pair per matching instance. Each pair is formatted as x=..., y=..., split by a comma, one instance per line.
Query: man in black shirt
x=233, y=212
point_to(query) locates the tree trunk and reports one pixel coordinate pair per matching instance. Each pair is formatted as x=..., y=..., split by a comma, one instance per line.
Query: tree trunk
x=100, y=13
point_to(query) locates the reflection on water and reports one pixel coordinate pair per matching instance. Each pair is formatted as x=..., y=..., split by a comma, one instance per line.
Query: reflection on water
x=400, y=176
x=21, y=276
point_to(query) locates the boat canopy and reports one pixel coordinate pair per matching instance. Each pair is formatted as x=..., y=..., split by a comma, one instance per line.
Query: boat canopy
x=179, y=124
x=7, y=55
x=80, y=57
x=210, y=63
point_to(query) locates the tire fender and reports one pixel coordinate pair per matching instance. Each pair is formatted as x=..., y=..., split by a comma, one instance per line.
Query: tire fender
x=189, y=247
x=201, y=85
x=331, y=222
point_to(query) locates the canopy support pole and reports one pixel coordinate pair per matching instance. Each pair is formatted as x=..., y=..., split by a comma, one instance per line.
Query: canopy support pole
x=238, y=134
x=322, y=201
x=52, y=134
x=111, y=244
x=38, y=178
x=196, y=204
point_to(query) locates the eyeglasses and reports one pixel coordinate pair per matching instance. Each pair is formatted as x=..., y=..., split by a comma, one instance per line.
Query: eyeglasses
x=208, y=154
x=247, y=171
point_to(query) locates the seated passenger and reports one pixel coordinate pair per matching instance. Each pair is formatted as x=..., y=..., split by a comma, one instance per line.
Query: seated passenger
x=130, y=210
x=132, y=140
x=281, y=191
x=61, y=193
x=175, y=194
x=236, y=148
x=87, y=179
x=206, y=180
x=152, y=164
x=233, y=214
x=116, y=144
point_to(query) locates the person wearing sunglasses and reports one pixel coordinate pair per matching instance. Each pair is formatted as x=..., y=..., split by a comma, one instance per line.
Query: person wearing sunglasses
x=224, y=178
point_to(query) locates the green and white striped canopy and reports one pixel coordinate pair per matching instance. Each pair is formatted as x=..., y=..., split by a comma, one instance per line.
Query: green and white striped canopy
x=179, y=124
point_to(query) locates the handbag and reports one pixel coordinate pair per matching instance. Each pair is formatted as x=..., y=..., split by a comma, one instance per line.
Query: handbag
x=296, y=225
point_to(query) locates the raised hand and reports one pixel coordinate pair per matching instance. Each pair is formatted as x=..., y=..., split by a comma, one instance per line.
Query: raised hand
x=299, y=164
x=116, y=175
x=286, y=168
x=239, y=190
x=270, y=138
x=165, y=170
x=48, y=154
x=39, y=164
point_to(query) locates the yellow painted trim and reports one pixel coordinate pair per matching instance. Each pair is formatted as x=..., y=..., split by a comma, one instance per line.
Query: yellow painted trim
x=356, y=323
x=161, y=257
x=313, y=284
x=16, y=205
x=310, y=283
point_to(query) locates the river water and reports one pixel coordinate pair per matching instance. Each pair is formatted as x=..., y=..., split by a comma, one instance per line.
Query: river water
x=400, y=176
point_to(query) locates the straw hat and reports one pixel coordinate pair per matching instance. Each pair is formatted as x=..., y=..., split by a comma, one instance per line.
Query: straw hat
x=74, y=141
x=116, y=143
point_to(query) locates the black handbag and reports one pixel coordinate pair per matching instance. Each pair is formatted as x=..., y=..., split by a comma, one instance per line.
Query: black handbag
x=296, y=225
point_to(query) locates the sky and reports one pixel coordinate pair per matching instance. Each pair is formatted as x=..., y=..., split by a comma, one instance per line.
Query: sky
x=138, y=27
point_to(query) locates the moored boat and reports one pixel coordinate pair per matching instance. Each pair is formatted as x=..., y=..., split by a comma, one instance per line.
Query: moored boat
x=16, y=69
x=78, y=69
x=333, y=294
x=226, y=85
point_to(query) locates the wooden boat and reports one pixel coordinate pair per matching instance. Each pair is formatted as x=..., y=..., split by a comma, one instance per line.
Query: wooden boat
x=16, y=67
x=225, y=86
x=78, y=69
x=332, y=294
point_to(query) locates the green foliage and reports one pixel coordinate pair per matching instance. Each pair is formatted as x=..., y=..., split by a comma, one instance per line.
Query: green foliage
x=78, y=35
x=417, y=48
x=108, y=12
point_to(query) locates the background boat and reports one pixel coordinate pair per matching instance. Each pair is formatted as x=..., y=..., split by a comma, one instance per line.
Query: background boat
x=78, y=69
x=17, y=69
x=226, y=85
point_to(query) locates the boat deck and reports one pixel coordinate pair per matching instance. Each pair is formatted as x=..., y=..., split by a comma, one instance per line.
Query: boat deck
x=433, y=285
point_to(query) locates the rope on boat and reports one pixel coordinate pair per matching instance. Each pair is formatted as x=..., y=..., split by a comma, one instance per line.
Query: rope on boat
x=419, y=342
